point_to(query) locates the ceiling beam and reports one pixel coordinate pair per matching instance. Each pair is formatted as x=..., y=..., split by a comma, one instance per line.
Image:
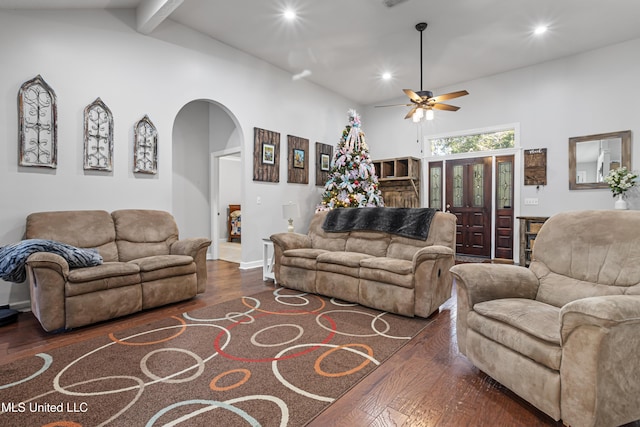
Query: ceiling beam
x=151, y=13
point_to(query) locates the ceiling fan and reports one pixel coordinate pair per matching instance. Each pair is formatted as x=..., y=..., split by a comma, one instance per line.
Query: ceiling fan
x=423, y=102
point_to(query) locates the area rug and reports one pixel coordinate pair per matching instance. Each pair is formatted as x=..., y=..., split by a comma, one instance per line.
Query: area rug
x=277, y=358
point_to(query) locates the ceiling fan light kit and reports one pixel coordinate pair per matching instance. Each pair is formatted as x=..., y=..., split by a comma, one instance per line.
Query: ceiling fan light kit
x=423, y=102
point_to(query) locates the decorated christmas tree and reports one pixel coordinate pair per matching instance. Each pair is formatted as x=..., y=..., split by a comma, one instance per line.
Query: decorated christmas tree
x=352, y=182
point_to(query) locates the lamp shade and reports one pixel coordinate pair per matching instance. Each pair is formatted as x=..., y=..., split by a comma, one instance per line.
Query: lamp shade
x=290, y=211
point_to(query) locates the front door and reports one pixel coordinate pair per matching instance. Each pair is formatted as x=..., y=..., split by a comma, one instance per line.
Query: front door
x=468, y=197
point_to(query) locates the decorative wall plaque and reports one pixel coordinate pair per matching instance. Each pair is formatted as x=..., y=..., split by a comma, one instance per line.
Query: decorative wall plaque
x=37, y=124
x=298, y=160
x=145, y=154
x=535, y=166
x=98, y=137
x=266, y=155
x=324, y=153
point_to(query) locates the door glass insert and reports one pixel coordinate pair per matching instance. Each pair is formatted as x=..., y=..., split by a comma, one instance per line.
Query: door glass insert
x=435, y=187
x=478, y=185
x=458, y=186
x=505, y=185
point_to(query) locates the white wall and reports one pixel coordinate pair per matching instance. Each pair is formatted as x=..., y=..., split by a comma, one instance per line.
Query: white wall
x=595, y=92
x=91, y=53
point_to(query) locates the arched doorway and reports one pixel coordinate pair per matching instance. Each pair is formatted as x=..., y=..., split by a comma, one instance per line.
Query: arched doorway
x=202, y=127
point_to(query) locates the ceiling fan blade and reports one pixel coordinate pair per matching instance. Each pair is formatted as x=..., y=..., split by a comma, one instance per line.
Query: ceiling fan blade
x=412, y=95
x=410, y=113
x=393, y=105
x=451, y=95
x=446, y=107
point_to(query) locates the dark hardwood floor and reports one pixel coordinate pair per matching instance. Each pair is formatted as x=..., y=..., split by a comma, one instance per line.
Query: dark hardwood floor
x=426, y=383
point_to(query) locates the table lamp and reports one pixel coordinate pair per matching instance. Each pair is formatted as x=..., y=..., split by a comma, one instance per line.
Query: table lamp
x=290, y=211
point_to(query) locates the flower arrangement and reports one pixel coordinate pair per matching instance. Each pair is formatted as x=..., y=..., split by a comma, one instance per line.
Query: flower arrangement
x=620, y=180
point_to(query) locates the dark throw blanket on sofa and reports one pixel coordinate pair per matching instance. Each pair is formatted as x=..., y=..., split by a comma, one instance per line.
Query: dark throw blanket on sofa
x=13, y=258
x=407, y=222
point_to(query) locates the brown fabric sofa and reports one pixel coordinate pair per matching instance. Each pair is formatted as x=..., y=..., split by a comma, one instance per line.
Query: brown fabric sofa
x=564, y=334
x=145, y=265
x=376, y=269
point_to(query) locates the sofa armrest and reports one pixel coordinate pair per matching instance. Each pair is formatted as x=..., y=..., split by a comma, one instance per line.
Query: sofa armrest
x=432, y=280
x=288, y=241
x=600, y=364
x=484, y=282
x=283, y=242
x=47, y=274
x=196, y=248
x=191, y=246
x=480, y=282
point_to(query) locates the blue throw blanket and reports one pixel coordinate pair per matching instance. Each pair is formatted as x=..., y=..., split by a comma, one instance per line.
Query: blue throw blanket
x=13, y=258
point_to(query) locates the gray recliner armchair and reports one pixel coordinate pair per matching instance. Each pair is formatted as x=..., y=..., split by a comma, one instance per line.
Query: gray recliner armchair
x=564, y=334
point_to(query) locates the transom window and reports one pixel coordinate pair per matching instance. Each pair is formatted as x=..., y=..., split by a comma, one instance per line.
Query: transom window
x=486, y=141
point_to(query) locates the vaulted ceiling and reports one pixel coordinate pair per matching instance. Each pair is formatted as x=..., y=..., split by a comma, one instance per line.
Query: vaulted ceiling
x=346, y=45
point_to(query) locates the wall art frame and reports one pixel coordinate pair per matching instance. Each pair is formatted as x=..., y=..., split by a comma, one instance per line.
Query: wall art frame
x=145, y=147
x=98, y=137
x=324, y=153
x=298, y=158
x=298, y=161
x=266, y=155
x=535, y=166
x=37, y=124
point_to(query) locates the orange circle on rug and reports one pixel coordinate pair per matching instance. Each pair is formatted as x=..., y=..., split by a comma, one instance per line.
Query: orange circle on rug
x=319, y=360
x=214, y=387
x=177, y=334
x=62, y=424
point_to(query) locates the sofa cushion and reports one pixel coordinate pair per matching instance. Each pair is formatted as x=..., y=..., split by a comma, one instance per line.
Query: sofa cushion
x=303, y=253
x=320, y=239
x=82, y=229
x=163, y=266
x=529, y=327
x=398, y=272
x=302, y=258
x=394, y=265
x=108, y=275
x=369, y=242
x=348, y=259
x=143, y=233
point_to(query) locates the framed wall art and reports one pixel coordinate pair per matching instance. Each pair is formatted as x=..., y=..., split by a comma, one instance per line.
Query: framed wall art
x=37, y=124
x=298, y=161
x=324, y=152
x=98, y=137
x=266, y=155
x=145, y=147
x=535, y=166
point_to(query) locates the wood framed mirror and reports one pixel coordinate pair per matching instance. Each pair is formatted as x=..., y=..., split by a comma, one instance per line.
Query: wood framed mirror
x=591, y=157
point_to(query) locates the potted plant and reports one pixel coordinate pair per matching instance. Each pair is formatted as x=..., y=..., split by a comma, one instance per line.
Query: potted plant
x=620, y=180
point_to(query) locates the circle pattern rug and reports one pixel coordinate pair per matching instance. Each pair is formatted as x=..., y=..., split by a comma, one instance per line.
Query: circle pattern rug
x=277, y=358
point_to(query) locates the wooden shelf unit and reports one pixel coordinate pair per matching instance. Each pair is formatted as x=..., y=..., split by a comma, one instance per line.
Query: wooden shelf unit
x=399, y=180
x=529, y=228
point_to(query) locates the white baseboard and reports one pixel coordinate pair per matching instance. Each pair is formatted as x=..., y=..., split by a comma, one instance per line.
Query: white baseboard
x=251, y=264
x=21, y=305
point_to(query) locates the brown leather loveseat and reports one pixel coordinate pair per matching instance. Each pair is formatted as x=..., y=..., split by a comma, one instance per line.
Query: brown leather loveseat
x=145, y=265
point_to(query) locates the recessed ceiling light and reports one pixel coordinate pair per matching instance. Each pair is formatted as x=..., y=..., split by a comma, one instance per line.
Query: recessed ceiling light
x=386, y=76
x=540, y=29
x=290, y=14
